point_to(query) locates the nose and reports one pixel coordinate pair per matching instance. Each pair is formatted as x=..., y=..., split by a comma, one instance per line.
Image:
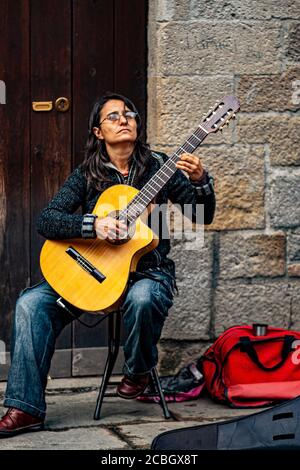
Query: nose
x=123, y=119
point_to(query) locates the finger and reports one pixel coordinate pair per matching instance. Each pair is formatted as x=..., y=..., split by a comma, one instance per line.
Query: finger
x=189, y=158
x=121, y=224
x=120, y=231
x=186, y=166
x=116, y=236
x=112, y=234
x=111, y=222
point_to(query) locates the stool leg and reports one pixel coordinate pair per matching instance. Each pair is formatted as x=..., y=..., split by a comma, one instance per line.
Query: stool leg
x=162, y=400
x=114, y=327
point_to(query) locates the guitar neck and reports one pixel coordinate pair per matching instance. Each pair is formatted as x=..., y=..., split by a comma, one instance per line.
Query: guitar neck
x=139, y=203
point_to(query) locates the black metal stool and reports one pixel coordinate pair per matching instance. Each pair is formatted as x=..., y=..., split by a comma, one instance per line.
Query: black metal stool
x=114, y=330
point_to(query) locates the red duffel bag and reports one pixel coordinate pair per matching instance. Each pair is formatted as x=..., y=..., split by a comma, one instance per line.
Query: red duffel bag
x=250, y=366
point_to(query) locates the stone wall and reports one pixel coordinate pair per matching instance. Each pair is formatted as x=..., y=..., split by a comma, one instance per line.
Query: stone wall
x=249, y=268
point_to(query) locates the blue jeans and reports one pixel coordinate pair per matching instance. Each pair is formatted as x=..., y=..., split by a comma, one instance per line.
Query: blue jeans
x=38, y=321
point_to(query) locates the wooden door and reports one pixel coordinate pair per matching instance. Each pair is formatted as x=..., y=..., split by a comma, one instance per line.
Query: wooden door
x=57, y=48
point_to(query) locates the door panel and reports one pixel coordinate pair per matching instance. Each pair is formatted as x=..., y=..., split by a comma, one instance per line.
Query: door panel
x=50, y=130
x=14, y=162
x=77, y=49
x=131, y=52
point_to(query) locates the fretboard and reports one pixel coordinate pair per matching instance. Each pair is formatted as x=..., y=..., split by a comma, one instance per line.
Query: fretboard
x=139, y=203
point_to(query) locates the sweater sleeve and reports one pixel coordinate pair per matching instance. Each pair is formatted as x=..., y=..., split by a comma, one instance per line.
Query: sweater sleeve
x=182, y=191
x=57, y=220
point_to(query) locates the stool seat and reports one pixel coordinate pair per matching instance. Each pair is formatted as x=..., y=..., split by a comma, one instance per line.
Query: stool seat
x=114, y=329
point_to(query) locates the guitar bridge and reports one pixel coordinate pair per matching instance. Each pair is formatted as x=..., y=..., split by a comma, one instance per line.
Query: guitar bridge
x=85, y=264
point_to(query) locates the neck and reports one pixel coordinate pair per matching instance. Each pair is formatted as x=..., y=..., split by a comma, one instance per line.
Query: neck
x=120, y=154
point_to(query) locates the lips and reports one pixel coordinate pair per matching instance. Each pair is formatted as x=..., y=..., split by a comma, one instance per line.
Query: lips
x=124, y=130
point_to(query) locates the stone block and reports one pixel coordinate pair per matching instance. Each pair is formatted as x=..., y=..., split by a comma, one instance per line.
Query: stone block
x=189, y=318
x=76, y=410
x=294, y=270
x=238, y=303
x=269, y=92
x=284, y=201
x=239, y=185
x=71, y=439
x=250, y=255
x=211, y=47
x=294, y=246
x=142, y=438
x=186, y=10
x=292, y=41
x=175, y=115
x=173, y=355
x=280, y=132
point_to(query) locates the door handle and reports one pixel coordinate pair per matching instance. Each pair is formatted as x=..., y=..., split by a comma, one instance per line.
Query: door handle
x=62, y=104
x=42, y=105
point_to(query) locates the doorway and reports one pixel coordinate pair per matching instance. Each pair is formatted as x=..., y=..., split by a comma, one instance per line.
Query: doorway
x=64, y=54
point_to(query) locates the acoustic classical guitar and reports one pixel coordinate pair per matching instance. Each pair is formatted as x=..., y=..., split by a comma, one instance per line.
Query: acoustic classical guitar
x=92, y=274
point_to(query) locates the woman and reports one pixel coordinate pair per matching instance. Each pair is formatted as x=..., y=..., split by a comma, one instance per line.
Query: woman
x=114, y=154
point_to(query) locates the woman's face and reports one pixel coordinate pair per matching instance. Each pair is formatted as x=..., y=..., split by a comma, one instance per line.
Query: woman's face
x=124, y=130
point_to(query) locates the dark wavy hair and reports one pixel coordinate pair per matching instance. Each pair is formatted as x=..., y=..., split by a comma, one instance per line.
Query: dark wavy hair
x=95, y=150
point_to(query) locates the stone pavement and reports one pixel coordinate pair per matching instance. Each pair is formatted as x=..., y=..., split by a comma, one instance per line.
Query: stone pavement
x=125, y=424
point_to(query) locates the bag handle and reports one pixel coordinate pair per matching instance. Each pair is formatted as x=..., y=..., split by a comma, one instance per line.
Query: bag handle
x=247, y=346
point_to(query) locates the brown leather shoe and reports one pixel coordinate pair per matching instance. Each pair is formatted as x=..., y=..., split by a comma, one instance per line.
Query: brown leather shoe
x=132, y=387
x=16, y=422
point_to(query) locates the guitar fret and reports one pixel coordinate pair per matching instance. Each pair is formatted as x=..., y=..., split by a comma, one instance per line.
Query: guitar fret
x=188, y=143
x=180, y=148
x=145, y=189
x=196, y=138
x=157, y=176
x=202, y=128
x=163, y=172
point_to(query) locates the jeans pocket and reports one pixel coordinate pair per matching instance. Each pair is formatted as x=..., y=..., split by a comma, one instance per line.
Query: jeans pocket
x=31, y=287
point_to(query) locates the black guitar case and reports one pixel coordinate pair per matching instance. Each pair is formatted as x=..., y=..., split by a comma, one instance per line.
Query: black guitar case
x=275, y=428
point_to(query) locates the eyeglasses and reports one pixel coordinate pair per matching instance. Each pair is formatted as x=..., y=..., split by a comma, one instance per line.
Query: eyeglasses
x=114, y=117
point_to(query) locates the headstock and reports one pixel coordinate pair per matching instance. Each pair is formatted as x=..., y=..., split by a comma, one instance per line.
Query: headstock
x=221, y=114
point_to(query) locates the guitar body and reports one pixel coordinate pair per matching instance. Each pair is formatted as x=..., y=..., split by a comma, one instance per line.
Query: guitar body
x=114, y=262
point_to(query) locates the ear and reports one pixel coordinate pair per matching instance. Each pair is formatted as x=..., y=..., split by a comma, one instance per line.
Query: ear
x=98, y=133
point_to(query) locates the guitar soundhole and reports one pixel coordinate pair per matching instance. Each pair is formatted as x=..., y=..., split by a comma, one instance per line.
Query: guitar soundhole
x=127, y=237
